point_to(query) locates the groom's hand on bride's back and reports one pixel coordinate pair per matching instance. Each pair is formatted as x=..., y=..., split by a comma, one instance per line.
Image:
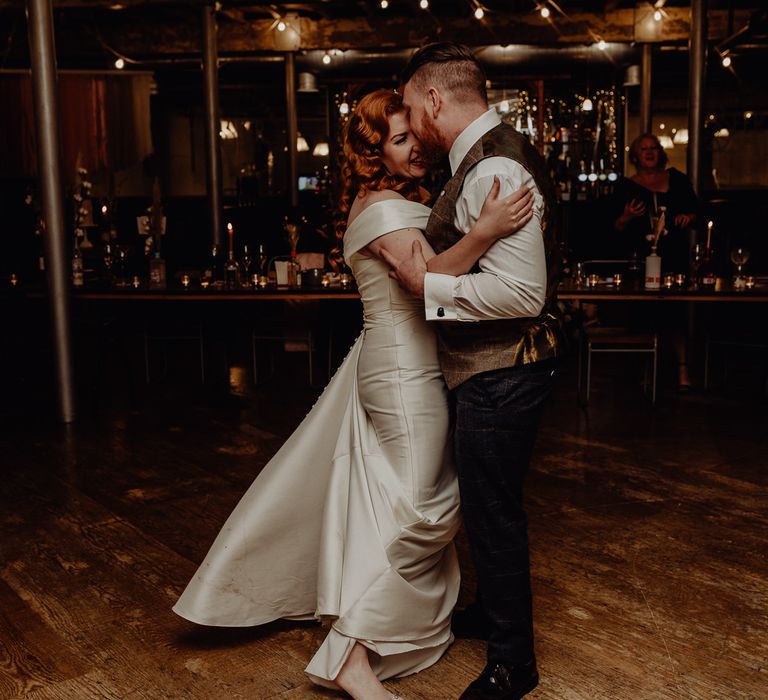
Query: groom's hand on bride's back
x=409, y=272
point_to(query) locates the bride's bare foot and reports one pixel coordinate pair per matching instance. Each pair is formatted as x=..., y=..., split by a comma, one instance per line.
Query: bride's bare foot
x=357, y=678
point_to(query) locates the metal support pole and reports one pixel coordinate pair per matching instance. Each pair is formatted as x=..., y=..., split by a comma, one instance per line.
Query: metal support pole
x=697, y=68
x=42, y=51
x=646, y=73
x=293, y=129
x=212, y=121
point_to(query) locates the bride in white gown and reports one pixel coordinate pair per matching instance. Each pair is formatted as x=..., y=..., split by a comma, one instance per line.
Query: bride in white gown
x=352, y=521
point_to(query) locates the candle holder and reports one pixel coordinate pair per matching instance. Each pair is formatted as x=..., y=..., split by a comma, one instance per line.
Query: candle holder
x=263, y=281
x=749, y=282
x=680, y=280
x=185, y=280
x=669, y=281
x=345, y=280
x=592, y=280
x=136, y=282
x=618, y=279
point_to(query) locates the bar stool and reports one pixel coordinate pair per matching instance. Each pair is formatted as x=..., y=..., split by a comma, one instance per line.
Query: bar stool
x=617, y=340
x=725, y=344
x=153, y=336
x=291, y=340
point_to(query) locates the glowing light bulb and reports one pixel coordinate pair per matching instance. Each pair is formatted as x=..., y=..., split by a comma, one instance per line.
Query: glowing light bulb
x=384, y=4
x=747, y=115
x=424, y=4
x=326, y=58
x=586, y=106
x=726, y=61
x=479, y=13
x=281, y=26
x=544, y=12
x=344, y=108
x=657, y=15
x=119, y=64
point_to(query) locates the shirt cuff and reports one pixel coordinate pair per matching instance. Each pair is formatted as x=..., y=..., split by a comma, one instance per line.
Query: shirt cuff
x=438, y=297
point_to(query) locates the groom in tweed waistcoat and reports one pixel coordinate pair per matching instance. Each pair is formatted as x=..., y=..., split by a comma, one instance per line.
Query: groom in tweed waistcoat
x=498, y=338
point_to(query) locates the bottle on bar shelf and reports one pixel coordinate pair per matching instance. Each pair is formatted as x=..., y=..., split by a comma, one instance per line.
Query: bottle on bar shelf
x=231, y=269
x=157, y=279
x=78, y=278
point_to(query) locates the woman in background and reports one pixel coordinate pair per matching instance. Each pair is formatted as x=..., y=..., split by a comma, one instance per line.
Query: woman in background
x=639, y=199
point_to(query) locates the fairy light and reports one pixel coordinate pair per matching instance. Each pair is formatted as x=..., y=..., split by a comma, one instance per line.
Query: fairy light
x=544, y=12
x=479, y=13
x=119, y=64
x=727, y=61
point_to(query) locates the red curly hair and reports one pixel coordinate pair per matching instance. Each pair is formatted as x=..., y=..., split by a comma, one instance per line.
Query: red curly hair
x=362, y=169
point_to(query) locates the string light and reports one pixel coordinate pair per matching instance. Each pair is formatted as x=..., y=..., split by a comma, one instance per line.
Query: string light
x=281, y=26
x=119, y=64
x=544, y=11
x=727, y=61
x=384, y=4
x=423, y=4
x=479, y=13
x=344, y=108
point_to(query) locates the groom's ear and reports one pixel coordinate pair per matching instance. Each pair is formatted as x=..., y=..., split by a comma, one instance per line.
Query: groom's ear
x=434, y=102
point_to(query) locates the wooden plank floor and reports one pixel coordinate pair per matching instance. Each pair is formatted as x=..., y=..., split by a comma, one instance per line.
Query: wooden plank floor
x=649, y=551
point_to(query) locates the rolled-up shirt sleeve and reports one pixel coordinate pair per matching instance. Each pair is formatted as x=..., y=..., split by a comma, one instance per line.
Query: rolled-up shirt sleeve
x=512, y=281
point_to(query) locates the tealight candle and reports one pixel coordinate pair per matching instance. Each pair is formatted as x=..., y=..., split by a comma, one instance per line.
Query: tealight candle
x=680, y=279
x=749, y=282
x=14, y=279
x=263, y=281
x=345, y=280
x=185, y=281
x=592, y=280
x=617, y=279
x=669, y=280
x=136, y=283
x=204, y=283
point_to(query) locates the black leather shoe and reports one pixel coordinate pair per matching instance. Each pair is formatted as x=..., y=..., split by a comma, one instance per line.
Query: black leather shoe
x=471, y=623
x=501, y=682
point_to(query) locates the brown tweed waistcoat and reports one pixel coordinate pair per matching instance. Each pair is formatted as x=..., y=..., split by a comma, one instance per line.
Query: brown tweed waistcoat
x=467, y=348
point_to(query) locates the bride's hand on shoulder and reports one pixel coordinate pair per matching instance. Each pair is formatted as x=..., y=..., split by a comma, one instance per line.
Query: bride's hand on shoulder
x=502, y=217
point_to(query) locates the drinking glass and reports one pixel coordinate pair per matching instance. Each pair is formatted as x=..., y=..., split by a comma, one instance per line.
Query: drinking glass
x=109, y=260
x=247, y=261
x=739, y=257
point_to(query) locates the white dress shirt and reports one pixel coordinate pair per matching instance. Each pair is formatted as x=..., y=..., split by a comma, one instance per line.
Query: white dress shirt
x=513, y=278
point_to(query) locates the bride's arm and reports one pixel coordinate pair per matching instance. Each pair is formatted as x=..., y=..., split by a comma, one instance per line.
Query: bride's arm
x=498, y=218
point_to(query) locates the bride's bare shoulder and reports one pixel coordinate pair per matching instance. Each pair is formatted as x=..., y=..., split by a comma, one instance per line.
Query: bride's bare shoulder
x=362, y=203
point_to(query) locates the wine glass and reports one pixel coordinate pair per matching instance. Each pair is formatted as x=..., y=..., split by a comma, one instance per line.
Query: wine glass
x=109, y=260
x=247, y=261
x=739, y=257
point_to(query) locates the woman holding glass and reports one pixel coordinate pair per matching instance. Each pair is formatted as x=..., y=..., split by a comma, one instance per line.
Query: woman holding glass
x=639, y=202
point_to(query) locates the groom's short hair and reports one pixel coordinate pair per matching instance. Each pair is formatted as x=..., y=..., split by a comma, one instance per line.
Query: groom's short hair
x=448, y=66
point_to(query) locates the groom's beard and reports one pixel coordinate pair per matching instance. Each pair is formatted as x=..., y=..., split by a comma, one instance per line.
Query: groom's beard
x=431, y=148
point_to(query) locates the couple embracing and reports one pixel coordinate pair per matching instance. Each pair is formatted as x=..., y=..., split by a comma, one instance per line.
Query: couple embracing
x=431, y=417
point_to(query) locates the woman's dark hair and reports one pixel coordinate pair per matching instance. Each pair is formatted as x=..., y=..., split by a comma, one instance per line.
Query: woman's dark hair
x=634, y=149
